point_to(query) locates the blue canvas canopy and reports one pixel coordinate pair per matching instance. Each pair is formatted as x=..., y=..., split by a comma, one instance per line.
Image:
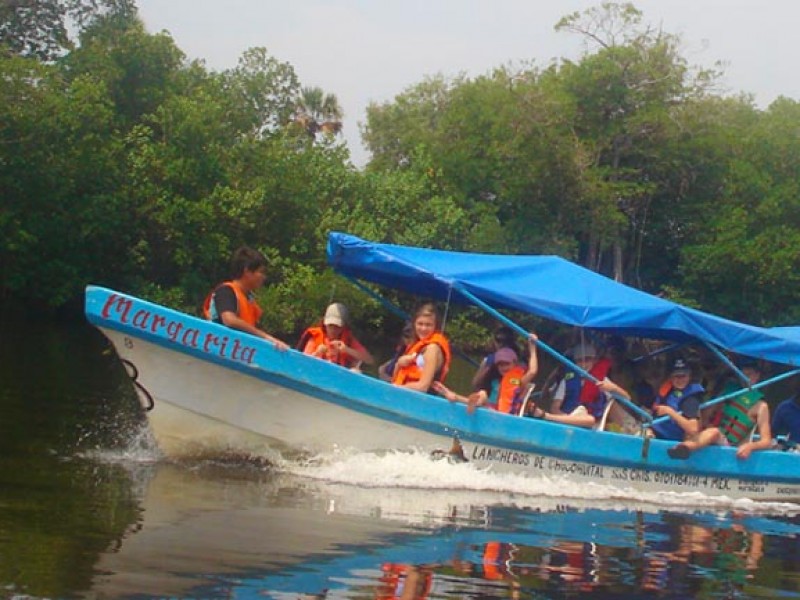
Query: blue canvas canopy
x=554, y=288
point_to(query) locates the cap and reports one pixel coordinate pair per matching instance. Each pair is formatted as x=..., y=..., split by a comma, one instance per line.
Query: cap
x=335, y=314
x=583, y=351
x=680, y=366
x=505, y=355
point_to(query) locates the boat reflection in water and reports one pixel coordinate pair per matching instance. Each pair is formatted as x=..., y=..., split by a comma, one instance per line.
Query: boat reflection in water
x=210, y=531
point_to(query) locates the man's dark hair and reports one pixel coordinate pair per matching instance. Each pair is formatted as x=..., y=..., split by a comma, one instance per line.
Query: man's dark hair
x=246, y=259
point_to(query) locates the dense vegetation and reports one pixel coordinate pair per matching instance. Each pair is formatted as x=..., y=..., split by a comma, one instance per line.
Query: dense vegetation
x=124, y=164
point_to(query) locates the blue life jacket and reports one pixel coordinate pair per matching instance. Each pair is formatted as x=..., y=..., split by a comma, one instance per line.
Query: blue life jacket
x=573, y=385
x=669, y=429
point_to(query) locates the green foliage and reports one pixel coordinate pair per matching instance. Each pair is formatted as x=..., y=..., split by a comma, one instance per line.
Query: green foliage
x=123, y=165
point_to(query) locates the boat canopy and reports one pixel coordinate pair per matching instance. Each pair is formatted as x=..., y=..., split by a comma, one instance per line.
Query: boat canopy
x=553, y=288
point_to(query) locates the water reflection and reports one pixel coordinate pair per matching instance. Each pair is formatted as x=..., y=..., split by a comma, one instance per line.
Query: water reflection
x=86, y=510
x=220, y=532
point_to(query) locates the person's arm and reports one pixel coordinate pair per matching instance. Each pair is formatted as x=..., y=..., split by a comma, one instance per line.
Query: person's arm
x=433, y=358
x=689, y=421
x=356, y=350
x=764, y=431
x=234, y=321
x=609, y=387
x=533, y=362
x=581, y=419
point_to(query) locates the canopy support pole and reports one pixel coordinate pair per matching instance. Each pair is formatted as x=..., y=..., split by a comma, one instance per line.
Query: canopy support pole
x=645, y=416
x=388, y=305
x=728, y=362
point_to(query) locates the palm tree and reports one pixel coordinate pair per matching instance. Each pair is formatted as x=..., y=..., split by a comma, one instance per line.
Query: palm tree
x=318, y=112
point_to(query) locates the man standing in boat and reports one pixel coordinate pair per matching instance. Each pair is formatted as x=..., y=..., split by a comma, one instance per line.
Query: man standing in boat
x=232, y=303
x=735, y=421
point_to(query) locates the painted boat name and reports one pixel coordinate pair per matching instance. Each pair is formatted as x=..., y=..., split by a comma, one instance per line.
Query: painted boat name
x=175, y=331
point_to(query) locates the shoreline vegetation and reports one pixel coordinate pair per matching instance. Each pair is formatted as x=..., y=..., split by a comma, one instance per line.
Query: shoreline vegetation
x=124, y=164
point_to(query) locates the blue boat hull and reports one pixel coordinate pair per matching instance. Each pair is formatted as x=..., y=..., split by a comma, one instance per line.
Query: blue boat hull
x=215, y=389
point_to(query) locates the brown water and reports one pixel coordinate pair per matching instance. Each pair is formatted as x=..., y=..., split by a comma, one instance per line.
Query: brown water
x=88, y=511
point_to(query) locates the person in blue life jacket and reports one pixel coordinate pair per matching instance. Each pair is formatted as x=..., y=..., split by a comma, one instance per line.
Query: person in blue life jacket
x=678, y=398
x=734, y=421
x=786, y=420
x=580, y=402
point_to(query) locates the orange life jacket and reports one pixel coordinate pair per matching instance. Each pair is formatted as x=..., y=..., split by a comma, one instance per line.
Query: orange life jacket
x=246, y=307
x=393, y=582
x=412, y=372
x=495, y=560
x=316, y=336
x=509, y=385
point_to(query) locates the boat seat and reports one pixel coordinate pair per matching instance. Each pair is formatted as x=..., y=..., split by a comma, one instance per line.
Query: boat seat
x=601, y=424
x=526, y=400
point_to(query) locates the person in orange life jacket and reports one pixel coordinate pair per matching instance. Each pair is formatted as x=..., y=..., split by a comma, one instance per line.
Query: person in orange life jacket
x=427, y=358
x=581, y=402
x=233, y=303
x=487, y=373
x=514, y=378
x=734, y=421
x=333, y=341
x=678, y=398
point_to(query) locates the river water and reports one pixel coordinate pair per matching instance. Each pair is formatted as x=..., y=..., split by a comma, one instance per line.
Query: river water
x=88, y=509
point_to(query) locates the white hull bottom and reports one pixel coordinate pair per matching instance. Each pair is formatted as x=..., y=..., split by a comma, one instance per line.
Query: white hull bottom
x=204, y=409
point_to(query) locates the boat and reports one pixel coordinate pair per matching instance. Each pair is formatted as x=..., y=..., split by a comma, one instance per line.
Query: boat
x=208, y=388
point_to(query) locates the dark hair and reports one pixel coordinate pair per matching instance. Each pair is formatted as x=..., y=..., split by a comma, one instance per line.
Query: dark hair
x=246, y=259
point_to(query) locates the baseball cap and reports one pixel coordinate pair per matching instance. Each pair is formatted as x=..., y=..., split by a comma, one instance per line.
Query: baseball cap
x=505, y=355
x=680, y=366
x=335, y=314
x=583, y=351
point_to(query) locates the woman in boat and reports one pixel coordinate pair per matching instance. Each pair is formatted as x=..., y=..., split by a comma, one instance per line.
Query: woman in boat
x=427, y=358
x=735, y=421
x=333, y=341
x=514, y=381
x=581, y=402
x=678, y=398
x=232, y=303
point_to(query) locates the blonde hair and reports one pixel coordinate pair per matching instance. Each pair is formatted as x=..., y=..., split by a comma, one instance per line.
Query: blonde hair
x=428, y=309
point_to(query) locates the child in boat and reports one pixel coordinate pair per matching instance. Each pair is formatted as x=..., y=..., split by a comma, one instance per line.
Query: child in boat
x=232, y=303
x=427, y=358
x=487, y=373
x=333, y=341
x=678, y=398
x=514, y=381
x=581, y=402
x=734, y=421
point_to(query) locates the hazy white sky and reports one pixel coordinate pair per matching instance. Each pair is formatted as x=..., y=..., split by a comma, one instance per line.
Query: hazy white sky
x=370, y=50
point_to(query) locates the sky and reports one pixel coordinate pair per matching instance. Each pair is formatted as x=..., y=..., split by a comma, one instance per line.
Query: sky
x=369, y=51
